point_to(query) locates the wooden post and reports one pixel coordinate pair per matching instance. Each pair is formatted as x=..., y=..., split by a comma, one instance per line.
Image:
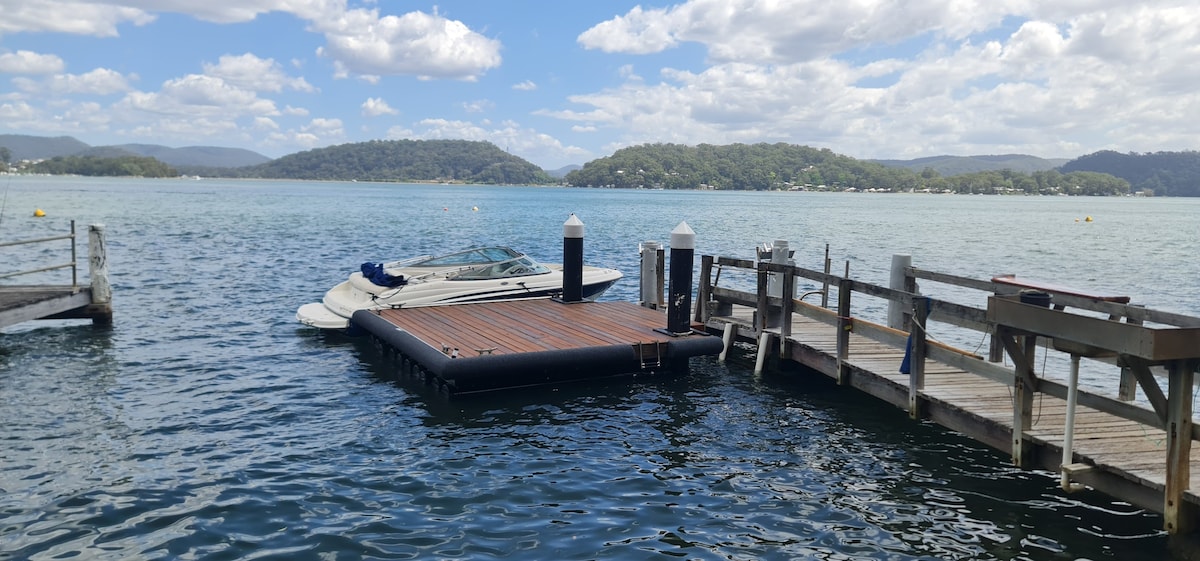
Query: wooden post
x=995, y=346
x=916, y=372
x=661, y=274
x=898, y=317
x=789, y=304
x=825, y=283
x=845, y=325
x=1127, y=387
x=1176, y=513
x=1024, y=388
x=761, y=321
x=704, y=302
x=101, y=308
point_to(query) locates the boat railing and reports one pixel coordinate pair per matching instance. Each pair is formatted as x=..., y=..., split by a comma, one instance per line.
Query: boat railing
x=72, y=264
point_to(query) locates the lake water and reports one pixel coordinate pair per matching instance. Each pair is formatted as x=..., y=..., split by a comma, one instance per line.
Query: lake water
x=207, y=424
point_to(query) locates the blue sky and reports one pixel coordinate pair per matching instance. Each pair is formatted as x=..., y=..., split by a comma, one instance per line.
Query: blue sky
x=561, y=83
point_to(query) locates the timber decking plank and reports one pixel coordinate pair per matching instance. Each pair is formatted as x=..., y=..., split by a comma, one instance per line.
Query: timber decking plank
x=531, y=325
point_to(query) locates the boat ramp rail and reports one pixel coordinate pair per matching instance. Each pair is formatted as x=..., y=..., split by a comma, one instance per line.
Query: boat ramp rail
x=1018, y=319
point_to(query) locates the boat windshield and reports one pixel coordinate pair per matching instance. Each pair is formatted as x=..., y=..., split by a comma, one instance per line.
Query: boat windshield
x=477, y=256
x=519, y=267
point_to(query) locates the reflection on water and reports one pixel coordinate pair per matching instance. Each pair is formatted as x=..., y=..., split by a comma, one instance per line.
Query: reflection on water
x=206, y=423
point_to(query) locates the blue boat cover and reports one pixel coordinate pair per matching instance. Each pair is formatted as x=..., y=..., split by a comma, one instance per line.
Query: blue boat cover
x=374, y=272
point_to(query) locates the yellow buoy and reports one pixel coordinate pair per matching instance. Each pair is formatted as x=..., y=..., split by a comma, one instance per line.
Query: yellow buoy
x=1088, y=219
x=39, y=212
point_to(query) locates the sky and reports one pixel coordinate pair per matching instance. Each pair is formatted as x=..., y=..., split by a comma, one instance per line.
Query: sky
x=560, y=82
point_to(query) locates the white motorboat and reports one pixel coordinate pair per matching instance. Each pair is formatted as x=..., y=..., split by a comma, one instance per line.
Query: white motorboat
x=474, y=275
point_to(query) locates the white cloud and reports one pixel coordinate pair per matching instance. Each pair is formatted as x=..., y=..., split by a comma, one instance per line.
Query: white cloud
x=65, y=16
x=478, y=106
x=19, y=112
x=526, y=86
x=359, y=41
x=325, y=127
x=1064, y=81
x=508, y=136
x=256, y=74
x=424, y=45
x=265, y=123
x=100, y=81
x=781, y=32
x=374, y=107
x=203, y=97
x=29, y=62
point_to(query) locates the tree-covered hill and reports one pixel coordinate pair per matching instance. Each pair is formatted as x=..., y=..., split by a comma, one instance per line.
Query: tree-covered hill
x=787, y=166
x=1175, y=174
x=735, y=166
x=137, y=166
x=404, y=160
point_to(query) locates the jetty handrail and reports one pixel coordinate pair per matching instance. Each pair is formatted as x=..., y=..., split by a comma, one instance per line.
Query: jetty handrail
x=1021, y=315
x=951, y=313
x=73, y=264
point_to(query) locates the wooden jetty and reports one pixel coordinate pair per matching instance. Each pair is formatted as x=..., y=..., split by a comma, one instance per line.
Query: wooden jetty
x=503, y=344
x=492, y=345
x=1136, y=453
x=21, y=303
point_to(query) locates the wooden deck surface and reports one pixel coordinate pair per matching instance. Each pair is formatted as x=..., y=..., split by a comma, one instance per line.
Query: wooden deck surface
x=527, y=326
x=1133, y=451
x=24, y=303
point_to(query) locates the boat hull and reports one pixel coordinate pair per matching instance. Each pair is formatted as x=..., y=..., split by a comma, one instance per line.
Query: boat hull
x=334, y=311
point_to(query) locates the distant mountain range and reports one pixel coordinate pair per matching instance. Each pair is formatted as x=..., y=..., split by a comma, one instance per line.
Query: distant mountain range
x=1160, y=173
x=958, y=165
x=25, y=147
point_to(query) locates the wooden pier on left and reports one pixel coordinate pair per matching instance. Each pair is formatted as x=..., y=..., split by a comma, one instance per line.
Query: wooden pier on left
x=491, y=345
x=28, y=302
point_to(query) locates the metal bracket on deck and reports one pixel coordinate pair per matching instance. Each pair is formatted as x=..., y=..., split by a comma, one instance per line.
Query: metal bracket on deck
x=650, y=355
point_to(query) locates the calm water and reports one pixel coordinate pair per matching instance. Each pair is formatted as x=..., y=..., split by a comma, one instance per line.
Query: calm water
x=206, y=424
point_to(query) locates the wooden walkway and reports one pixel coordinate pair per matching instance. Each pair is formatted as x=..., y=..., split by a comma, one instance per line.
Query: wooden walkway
x=19, y=304
x=1128, y=458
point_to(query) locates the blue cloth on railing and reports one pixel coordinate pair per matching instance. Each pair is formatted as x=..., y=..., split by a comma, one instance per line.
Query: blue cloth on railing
x=374, y=272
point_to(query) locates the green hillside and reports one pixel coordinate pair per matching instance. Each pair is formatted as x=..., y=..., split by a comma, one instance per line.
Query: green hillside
x=459, y=161
x=25, y=147
x=1174, y=174
x=762, y=167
